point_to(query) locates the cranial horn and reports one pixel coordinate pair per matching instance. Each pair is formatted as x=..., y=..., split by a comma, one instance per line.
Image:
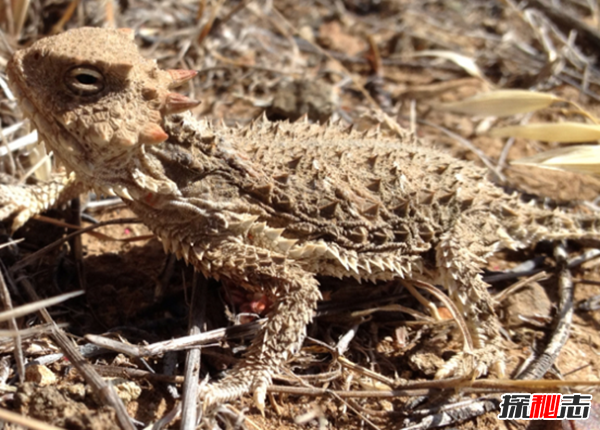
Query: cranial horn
x=180, y=76
x=177, y=103
x=152, y=134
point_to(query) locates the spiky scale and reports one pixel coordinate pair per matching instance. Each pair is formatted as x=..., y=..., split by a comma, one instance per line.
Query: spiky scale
x=353, y=264
x=263, y=191
x=108, y=191
x=258, y=228
x=372, y=160
x=244, y=226
x=185, y=251
x=372, y=211
x=445, y=197
x=426, y=197
x=273, y=234
x=401, y=209
x=278, y=259
x=427, y=234
x=294, y=162
x=284, y=203
x=380, y=237
x=401, y=235
x=509, y=212
x=320, y=248
x=282, y=179
x=440, y=168
x=365, y=265
x=150, y=93
x=378, y=263
x=328, y=211
x=332, y=252
x=122, y=192
x=284, y=245
x=375, y=185
x=166, y=244
x=343, y=259
x=359, y=234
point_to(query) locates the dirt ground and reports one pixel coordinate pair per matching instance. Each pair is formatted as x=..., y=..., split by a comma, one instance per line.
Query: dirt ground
x=350, y=60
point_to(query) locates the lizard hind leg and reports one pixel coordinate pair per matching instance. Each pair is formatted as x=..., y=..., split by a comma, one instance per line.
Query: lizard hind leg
x=459, y=266
x=295, y=293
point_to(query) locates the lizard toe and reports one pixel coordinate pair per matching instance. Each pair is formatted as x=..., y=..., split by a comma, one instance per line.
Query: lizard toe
x=488, y=359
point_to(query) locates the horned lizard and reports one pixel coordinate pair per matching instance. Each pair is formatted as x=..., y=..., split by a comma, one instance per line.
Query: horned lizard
x=270, y=205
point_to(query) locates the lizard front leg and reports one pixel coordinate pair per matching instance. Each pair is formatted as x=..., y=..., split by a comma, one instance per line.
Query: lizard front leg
x=294, y=293
x=459, y=260
x=22, y=202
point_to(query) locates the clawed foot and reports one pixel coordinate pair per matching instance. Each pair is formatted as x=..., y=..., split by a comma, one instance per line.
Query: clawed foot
x=481, y=362
x=242, y=380
x=21, y=202
x=10, y=206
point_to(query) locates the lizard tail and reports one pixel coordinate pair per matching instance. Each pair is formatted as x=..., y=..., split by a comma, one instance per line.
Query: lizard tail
x=526, y=224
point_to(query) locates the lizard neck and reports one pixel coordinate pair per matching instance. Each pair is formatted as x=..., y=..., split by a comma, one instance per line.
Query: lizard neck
x=131, y=175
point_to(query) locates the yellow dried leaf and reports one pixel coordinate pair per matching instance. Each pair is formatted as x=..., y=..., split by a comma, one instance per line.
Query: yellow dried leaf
x=565, y=132
x=578, y=159
x=502, y=103
x=467, y=63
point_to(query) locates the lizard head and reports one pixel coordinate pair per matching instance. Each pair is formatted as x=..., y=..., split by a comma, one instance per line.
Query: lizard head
x=93, y=98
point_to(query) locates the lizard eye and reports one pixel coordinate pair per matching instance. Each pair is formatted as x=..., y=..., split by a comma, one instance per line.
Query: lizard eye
x=84, y=81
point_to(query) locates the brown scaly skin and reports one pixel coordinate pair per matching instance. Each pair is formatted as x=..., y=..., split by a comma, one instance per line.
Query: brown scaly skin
x=269, y=206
